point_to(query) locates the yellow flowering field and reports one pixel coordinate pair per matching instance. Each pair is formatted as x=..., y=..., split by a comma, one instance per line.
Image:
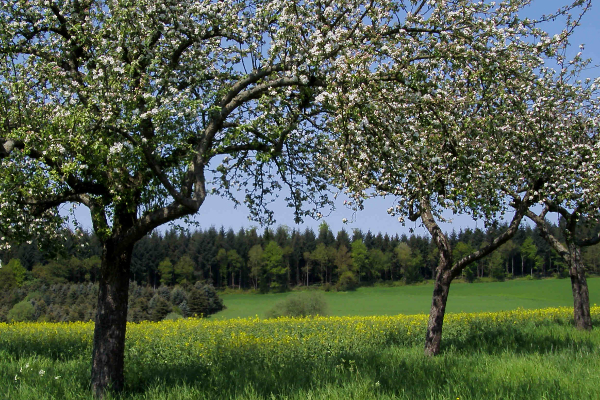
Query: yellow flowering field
x=205, y=341
x=509, y=353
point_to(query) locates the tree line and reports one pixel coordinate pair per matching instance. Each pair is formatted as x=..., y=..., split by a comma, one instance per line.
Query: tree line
x=281, y=258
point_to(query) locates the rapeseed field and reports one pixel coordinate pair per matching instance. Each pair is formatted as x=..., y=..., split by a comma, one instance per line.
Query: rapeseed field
x=293, y=357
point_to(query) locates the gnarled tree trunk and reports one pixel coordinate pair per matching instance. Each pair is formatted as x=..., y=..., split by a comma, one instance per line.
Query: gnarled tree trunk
x=571, y=253
x=433, y=337
x=448, y=269
x=581, y=296
x=443, y=278
x=111, y=319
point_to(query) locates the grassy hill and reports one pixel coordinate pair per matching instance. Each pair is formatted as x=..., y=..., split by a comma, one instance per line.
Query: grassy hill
x=464, y=297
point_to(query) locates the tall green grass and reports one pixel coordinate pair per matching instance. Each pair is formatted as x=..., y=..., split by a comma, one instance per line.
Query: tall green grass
x=482, y=358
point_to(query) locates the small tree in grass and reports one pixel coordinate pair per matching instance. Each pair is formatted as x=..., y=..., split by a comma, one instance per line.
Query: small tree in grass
x=21, y=312
x=197, y=303
x=303, y=304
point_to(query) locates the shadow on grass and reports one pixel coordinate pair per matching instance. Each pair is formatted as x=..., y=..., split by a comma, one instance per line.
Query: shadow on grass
x=400, y=371
x=229, y=379
x=65, y=350
x=541, y=340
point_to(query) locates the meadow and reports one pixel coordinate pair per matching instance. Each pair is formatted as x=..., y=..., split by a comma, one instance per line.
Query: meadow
x=516, y=354
x=416, y=299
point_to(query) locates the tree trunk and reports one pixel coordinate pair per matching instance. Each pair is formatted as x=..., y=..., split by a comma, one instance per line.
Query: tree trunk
x=447, y=270
x=581, y=297
x=572, y=255
x=544, y=269
x=111, y=319
x=433, y=337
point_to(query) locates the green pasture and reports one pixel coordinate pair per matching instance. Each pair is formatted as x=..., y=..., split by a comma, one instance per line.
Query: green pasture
x=416, y=299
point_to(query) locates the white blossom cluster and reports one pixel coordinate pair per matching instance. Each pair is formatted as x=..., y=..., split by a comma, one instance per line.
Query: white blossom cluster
x=121, y=106
x=134, y=108
x=463, y=113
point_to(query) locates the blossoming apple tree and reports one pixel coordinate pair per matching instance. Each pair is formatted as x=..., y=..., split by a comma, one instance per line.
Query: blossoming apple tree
x=136, y=108
x=419, y=117
x=559, y=145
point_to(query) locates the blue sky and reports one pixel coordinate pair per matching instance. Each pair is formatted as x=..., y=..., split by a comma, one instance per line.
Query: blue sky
x=218, y=211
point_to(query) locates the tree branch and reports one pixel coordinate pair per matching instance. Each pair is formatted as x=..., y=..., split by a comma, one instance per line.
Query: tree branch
x=418, y=10
x=441, y=241
x=154, y=219
x=247, y=81
x=589, y=241
x=159, y=173
x=48, y=202
x=258, y=90
x=521, y=210
x=395, y=31
x=7, y=146
x=551, y=239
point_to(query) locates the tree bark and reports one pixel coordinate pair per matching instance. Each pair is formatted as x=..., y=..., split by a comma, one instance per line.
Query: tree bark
x=581, y=296
x=433, y=337
x=448, y=269
x=111, y=319
x=571, y=253
x=443, y=278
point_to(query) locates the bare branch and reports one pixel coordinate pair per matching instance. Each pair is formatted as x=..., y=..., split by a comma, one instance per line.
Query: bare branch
x=540, y=222
x=498, y=241
x=420, y=7
x=154, y=219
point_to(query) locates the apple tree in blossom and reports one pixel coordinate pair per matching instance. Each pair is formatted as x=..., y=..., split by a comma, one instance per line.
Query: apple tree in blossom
x=141, y=109
x=559, y=145
x=427, y=117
